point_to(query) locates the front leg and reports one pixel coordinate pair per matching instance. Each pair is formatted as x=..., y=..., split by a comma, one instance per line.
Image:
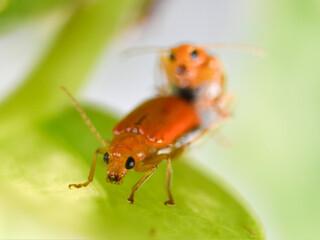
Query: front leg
x=92, y=169
x=225, y=105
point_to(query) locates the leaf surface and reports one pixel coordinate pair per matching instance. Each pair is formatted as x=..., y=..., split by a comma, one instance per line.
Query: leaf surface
x=59, y=152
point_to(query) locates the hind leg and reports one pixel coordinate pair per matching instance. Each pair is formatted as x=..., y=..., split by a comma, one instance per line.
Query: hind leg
x=168, y=183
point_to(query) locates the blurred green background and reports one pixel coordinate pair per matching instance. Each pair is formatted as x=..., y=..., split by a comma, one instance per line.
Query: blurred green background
x=272, y=161
x=275, y=133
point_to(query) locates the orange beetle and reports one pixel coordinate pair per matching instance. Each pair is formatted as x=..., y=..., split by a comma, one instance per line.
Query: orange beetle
x=192, y=73
x=155, y=131
x=197, y=76
x=190, y=66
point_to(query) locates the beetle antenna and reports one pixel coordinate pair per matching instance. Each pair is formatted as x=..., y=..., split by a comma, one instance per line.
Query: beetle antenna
x=136, y=51
x=246, y=48
x=84, y=117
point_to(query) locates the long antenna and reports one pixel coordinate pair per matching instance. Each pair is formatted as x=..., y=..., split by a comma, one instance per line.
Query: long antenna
x=245, y=48
x=84, y=116
x=136, y=51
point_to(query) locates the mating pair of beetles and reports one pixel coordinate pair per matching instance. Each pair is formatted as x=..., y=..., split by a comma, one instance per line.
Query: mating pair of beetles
x=162, y=127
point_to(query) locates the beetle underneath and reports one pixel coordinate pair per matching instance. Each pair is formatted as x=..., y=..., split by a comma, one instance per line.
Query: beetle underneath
x=150, y=134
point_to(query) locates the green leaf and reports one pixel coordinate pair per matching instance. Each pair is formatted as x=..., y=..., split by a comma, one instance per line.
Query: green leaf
x=14, y=12
x=59, y=152
x=69, y=61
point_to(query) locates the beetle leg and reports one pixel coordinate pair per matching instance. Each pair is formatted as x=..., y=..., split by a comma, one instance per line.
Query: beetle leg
x=140, y=182
x=92, y=169
x=222, y=108
x=162, y=91
x=168, y=183
x=224, y=105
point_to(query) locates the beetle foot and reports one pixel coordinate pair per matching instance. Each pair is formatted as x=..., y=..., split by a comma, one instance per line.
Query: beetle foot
x=169, y=202
x=80, y=185
x=130, y=200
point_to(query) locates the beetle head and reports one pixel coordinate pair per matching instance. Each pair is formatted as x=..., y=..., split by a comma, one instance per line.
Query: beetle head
x=126, y=151
x=184, y=65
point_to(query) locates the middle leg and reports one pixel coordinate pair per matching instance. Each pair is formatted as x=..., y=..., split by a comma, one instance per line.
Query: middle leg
x=140, y=182
x=168, y=183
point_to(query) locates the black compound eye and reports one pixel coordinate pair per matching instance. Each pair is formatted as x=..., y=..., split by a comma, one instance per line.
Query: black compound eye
x=194, y=55
x=130, y=163
x=171, y=57
x=106, y=158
